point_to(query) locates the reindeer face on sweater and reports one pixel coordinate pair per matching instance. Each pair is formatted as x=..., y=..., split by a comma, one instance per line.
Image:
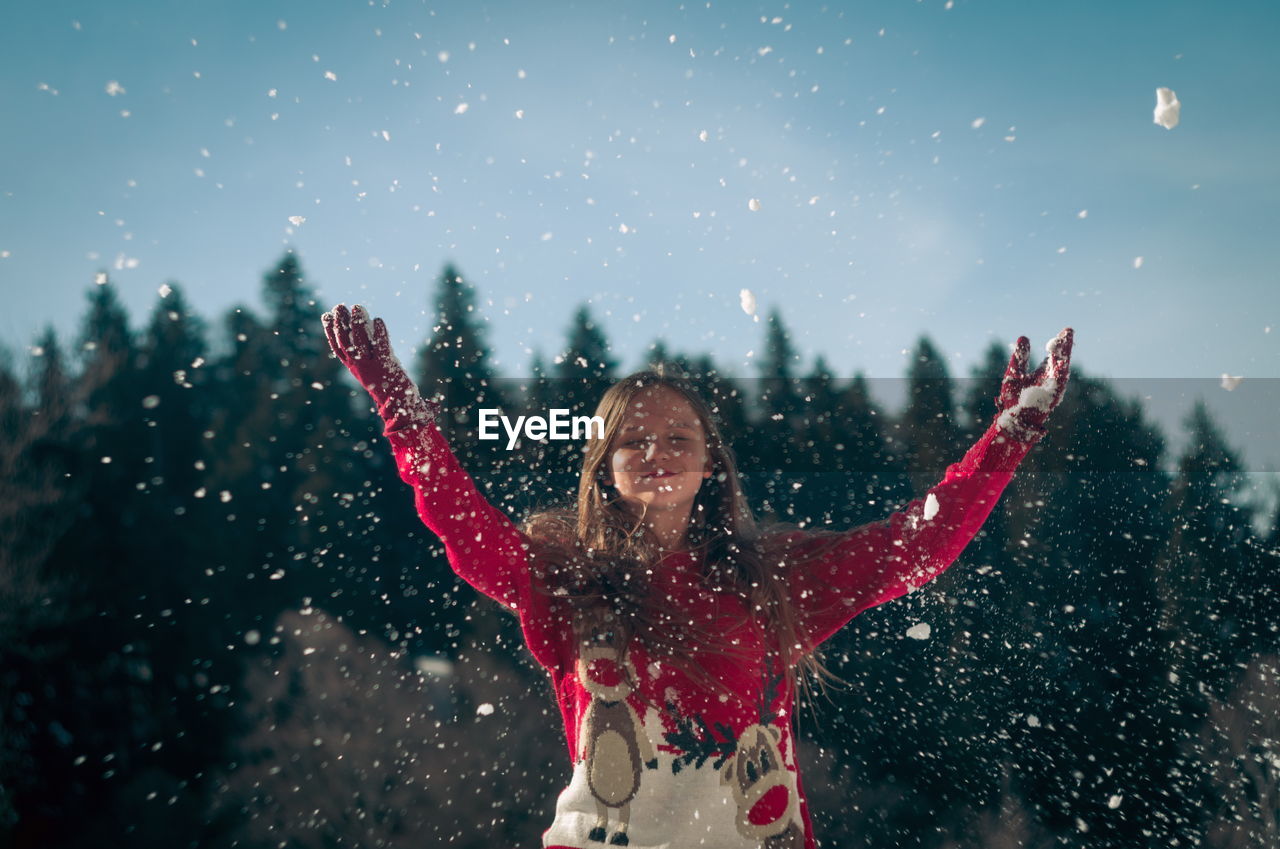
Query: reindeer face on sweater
x=762, y=786
x=605, y=675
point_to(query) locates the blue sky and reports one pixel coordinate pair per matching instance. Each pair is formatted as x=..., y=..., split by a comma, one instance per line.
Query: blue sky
x=972, y=171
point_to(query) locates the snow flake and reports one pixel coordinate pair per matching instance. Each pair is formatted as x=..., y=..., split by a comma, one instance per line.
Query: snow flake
x=747, y=299
x=754, y=204
x=461, y=108
x=702, y=136
x=1137, y=262
x=1084, y=213
x=330, y=75
x=1033, y=720
x=151, y=402
x=1114, y=801
x=252, y=637
x=1168, y=109
x=297, y=220
x=1229, y=382
x=977, y=123
x=485, y=709
x=113, y=88
x=165, y=290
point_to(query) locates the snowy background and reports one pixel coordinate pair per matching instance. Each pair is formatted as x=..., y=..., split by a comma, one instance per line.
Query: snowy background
x=221, y=622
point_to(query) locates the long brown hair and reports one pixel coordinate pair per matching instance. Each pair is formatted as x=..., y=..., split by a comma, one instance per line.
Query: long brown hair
x=597, y=557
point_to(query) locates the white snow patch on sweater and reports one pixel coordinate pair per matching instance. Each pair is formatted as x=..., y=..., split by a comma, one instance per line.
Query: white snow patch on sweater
x=930, y=507
x=1031, y=398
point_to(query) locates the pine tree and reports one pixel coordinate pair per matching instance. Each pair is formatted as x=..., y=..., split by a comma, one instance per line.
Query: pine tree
x=175, y=403
x=929, y=430
x=586, y=363
x=579, y=377
x=454, y=366
x=776, y=444
x=1203, y=573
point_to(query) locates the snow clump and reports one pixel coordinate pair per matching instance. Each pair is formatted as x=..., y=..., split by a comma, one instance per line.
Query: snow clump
x=930, y=507
x=919, y=632
x=1167, y=109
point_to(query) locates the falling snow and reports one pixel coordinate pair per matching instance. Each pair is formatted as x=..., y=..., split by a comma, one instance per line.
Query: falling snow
x=1168, y=110
x=920, y=631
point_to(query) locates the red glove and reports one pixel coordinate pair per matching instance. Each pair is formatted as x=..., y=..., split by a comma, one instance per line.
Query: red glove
x=1025, y=400
x=370, y=359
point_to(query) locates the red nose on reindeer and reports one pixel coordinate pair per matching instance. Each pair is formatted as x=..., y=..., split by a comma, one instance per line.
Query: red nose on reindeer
x=605, y=672
x=771, y=807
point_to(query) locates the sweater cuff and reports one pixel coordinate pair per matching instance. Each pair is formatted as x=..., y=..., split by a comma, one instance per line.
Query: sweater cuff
x=406, y=415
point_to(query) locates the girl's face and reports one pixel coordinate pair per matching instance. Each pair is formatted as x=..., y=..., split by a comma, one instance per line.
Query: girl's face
x=659, y=457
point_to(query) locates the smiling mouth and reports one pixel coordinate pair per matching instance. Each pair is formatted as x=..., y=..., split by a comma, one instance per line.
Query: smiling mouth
x=657, y=475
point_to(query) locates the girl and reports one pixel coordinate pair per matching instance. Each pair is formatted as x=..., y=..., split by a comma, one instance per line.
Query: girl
x=671, y=626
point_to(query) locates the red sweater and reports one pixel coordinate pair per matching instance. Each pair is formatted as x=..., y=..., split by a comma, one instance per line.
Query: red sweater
x=677, y=764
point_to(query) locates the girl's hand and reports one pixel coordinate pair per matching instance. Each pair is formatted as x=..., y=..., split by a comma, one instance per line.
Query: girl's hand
x=1025, y=400
x=369, y=358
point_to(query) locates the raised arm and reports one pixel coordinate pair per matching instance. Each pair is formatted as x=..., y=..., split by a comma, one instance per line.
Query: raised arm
x=484, y=547
x=834, y=579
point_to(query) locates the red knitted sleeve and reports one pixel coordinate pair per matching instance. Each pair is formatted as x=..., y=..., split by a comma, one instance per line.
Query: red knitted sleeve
x=483, y=545
x=831, y=580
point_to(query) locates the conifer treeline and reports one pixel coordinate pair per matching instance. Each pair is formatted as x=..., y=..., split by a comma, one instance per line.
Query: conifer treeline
x=222, y=624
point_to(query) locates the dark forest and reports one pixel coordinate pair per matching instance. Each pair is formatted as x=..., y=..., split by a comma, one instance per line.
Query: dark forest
x=222, y=623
